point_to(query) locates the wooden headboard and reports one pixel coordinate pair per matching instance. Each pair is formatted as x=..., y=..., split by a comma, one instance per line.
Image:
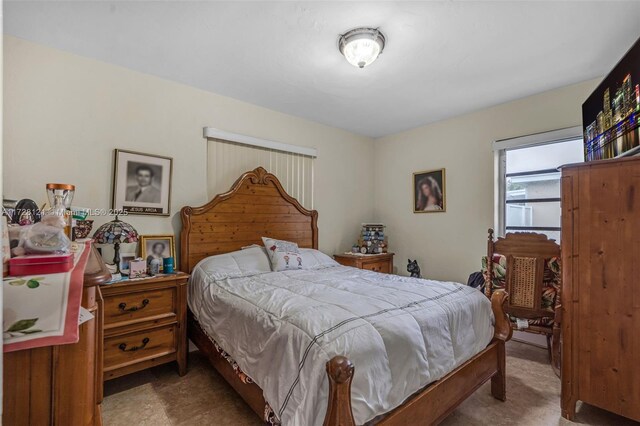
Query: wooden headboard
x=256, y=206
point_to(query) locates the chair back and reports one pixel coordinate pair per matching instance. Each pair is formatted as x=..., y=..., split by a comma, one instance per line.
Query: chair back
x=526, y=254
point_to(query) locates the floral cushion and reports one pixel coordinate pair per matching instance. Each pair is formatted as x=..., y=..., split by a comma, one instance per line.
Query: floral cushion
x=283, y=255
x=550, y=286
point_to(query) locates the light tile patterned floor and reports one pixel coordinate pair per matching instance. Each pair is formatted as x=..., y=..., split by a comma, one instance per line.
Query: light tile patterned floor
x=160, y=397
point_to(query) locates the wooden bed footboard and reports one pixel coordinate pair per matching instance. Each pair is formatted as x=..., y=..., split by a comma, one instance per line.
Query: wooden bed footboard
x=435, y=402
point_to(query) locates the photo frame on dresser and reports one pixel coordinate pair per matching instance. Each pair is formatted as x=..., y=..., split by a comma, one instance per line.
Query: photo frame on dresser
x=141, y=183
x=157, y=247
x=429, y=191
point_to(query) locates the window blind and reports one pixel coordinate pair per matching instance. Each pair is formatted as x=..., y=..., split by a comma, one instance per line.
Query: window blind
x=227, y=160
x=554, y=136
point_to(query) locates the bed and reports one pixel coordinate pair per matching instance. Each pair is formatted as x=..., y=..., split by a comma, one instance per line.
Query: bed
x=272, y=333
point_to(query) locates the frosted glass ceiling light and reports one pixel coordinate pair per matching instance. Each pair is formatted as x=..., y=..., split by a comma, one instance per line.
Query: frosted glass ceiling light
x=361, y=46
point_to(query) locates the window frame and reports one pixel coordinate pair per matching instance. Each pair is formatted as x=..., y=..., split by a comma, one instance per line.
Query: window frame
x=500, y=148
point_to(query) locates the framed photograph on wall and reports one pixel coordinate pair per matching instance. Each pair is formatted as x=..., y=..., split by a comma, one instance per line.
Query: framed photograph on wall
x=429, y=192
x=141, y=183
x=157, y=247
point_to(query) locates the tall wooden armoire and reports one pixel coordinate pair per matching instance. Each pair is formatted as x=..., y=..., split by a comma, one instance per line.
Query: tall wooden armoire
x=601, y=286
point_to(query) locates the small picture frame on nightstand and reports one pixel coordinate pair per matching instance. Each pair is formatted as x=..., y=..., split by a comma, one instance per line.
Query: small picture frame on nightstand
x=125, y=260
x=157, y=247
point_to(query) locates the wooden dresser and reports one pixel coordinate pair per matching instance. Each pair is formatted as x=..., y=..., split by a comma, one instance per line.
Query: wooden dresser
x=601, y=286
x=60, y=385
x=145, y=324
x=374, y=262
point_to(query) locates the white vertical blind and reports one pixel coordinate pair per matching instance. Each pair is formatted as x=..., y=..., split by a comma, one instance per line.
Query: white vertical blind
x=228, y=160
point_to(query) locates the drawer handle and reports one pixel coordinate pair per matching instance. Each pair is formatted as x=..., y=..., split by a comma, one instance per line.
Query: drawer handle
x=123, y=346
x=123, y=306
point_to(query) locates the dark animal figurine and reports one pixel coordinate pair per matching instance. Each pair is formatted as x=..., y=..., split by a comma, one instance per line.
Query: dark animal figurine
x=413, y=268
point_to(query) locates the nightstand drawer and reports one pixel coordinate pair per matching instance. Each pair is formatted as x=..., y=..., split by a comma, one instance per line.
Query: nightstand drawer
x=124, y=350
x=127, y=308
x=377, y=267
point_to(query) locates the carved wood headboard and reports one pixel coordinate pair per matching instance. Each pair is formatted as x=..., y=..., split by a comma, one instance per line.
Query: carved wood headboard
x=256, y=206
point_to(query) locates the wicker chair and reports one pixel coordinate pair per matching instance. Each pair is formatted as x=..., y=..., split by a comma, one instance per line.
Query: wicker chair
x=527, y=265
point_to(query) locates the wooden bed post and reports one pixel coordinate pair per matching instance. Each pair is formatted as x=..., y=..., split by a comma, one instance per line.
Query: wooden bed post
x=340, y=372
x=501, y=334
x=488, y=286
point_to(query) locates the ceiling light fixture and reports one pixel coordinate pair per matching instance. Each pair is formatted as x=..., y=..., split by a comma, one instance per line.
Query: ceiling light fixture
x=361, y=46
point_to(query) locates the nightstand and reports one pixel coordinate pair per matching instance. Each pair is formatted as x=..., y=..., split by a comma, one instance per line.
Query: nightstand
x=145, y=324
x=374, y=262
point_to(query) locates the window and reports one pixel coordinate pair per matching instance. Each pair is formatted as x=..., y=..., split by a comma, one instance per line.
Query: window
x=529, y=180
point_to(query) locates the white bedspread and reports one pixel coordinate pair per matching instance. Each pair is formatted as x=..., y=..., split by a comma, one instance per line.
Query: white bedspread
x=282, y=327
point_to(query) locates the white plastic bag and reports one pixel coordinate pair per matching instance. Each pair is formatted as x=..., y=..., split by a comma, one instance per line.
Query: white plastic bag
x=44, y=239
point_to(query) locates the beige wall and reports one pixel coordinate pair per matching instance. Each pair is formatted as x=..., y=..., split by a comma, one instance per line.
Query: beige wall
x=449, y=245
x=64, y=114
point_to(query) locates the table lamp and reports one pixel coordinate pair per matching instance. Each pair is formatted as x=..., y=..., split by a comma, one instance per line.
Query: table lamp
x=116, y=232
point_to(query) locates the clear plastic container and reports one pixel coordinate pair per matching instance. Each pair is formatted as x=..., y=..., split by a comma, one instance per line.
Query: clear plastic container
x=60, y=197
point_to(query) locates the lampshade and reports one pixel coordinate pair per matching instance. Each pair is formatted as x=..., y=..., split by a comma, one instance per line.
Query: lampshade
x=361, y=46
x=115, y=231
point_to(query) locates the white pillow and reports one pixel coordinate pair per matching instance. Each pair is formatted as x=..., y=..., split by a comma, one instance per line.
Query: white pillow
x=241, y=263
x=314, y=259
x=283, y=255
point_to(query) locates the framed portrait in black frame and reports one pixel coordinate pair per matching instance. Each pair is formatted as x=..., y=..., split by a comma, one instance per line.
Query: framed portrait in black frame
x=141, y=183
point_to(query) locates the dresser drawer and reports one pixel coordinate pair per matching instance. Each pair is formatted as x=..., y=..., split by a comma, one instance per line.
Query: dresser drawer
x=122, y=309
x=377, y=267
x=127, y=349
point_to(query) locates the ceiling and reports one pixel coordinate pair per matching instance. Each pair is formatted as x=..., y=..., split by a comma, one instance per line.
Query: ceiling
x=442, y=59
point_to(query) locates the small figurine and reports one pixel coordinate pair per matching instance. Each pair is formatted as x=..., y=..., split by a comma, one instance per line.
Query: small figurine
x=26, y=218
x=413, y=268
x=26, y=213
x=154, y=266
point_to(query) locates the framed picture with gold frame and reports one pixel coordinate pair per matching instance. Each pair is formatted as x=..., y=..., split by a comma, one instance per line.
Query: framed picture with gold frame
x=157, y=247
x=429, y=194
